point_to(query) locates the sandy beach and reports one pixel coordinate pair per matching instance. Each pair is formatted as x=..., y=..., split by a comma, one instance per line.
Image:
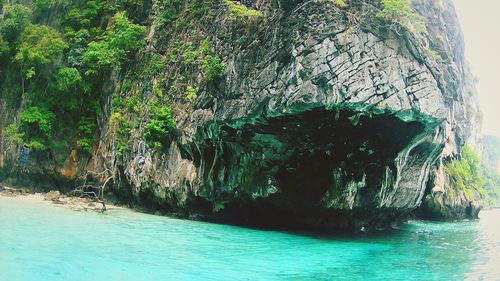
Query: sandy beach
x=55, y=198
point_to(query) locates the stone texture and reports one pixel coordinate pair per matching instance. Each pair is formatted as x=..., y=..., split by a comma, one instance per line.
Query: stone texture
x=52, y=195
x=319, y=122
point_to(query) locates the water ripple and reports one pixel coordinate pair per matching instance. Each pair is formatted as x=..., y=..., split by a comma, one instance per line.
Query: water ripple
x=41, y=242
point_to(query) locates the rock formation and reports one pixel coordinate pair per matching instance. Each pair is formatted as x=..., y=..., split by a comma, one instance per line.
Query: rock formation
x=325, y=118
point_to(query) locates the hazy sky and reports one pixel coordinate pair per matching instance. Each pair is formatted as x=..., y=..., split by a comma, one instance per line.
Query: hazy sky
x=480, y=21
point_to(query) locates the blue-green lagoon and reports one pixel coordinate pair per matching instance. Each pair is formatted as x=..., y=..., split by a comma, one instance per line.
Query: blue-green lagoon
x=39, y=241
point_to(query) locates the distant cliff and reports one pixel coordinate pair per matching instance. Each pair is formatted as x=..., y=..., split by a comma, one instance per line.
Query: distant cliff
x=491, y=169
x=314, y=113
x=491, y=153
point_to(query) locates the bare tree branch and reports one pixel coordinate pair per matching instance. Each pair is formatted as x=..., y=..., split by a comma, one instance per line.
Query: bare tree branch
x=94, y=191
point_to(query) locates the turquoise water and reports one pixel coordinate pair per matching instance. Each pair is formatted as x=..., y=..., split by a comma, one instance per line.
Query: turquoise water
x=39, y=241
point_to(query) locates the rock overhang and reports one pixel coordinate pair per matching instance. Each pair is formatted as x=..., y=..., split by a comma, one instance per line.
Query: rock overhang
x=330, y=159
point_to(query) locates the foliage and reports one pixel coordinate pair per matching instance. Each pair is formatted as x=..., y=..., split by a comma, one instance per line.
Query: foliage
x=157, y=90
x=86, y=129
x=156, y=63
x=86, y=16
x=78, y=46
x=169, y=12
x=40, y=45
x=36, y=143
x=4, y=47
x=86, y=144
x=133, y=103
x=67, y=49
x=45, y=6
x=160, y=125
x=465, y=173
x=12, y=132
x=40, y=117
x=191, y=93
x=435, y=55
x=123, y=131
x=123, y=34
x=68, y=78
x=240, y=11
x=119, y=41
x=100, y=55
x=399, y=12
x=214, y=68
x=200, y=8
x=36, y=128
x=340, y=3
x=14, y=19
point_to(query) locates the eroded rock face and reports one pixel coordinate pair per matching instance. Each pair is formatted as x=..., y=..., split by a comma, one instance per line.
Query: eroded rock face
x=321, y=123
x=324, y=119
x=444, y=204
x=319, y=167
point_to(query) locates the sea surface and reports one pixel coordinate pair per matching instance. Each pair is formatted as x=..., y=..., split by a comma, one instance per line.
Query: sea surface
x=39, y=241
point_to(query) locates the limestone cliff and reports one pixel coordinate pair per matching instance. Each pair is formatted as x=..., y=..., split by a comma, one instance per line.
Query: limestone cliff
x=491, y=152
x=325, y=116
x=491, y=170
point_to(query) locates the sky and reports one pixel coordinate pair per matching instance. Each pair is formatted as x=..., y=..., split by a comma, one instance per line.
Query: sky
x=480, y=20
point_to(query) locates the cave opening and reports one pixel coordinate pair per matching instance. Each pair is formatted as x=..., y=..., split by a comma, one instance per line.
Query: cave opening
x=306, y=156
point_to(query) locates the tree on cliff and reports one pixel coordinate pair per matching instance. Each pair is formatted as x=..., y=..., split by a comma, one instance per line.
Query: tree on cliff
x=398, y=13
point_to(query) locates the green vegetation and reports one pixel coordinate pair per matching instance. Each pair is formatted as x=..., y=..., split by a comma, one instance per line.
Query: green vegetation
x=465, y=174
x=68, y=79
x=399, y=13
x=435, y=55
x=42, y=7
x=62, y=69
x=240, y=11
x=39, y=45
x=42, y=118
x=340, y=3
x=159, y=126
x=86, y=132
x=36, y=126
x=4, y=47
x=116, y=45
x=214, y=68
x=191, y=93
x=123, y=128
x=168, y=12
x=12, y=132
x=14, y=19
x=57, y=59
